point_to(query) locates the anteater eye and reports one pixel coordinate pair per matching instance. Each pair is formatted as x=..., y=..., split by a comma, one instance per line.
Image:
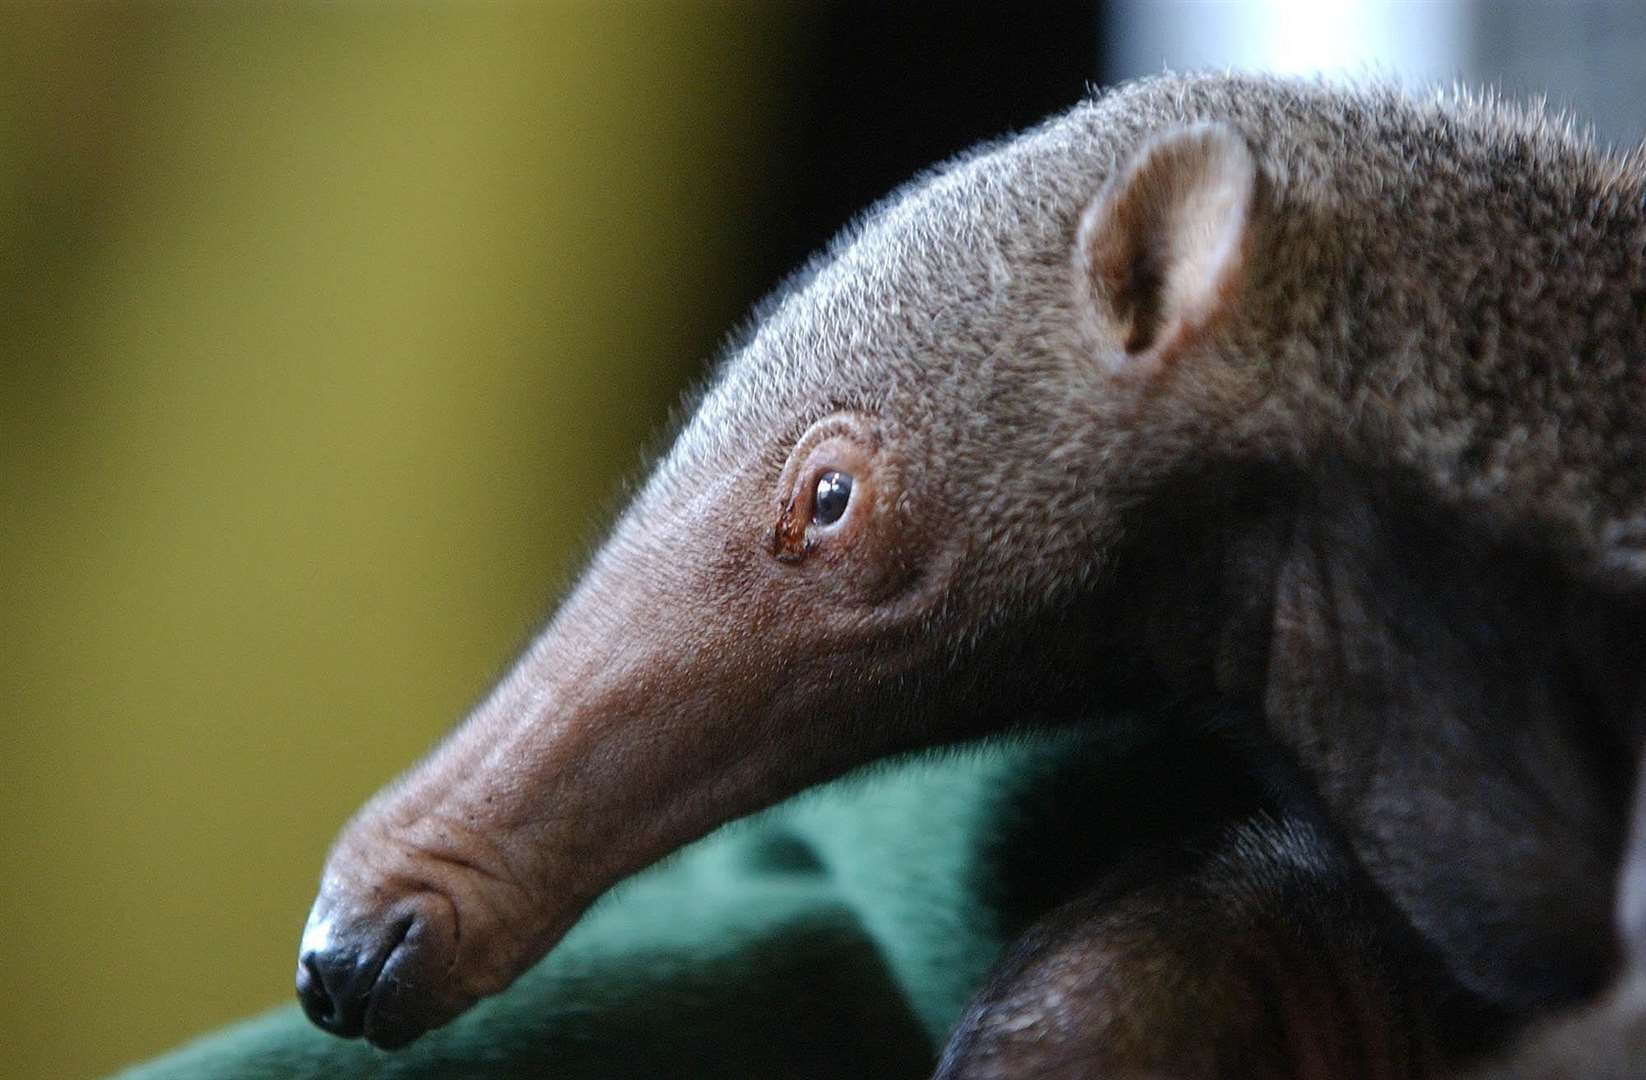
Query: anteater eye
x=834, y=491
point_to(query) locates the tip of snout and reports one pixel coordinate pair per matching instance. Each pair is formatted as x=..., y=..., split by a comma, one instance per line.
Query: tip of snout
x=329, y=1010
x=340, y=983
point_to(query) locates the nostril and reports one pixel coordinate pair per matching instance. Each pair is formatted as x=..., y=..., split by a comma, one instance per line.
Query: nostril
x=335, y=982
x=312, y=992
x=330, y=989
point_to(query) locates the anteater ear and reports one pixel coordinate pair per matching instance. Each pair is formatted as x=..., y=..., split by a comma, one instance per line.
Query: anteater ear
x=1162, y=248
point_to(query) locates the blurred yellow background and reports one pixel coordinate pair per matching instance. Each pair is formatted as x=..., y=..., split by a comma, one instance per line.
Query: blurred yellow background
x=325, y=334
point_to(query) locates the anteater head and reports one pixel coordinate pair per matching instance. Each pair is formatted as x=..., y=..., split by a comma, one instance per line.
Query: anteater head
x=900, y=471
x=874, y=531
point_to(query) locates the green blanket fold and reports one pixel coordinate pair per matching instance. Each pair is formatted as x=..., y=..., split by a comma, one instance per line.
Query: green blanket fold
x=838, y=935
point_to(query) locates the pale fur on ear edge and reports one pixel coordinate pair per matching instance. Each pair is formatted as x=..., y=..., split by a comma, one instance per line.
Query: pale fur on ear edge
x=1163, y=246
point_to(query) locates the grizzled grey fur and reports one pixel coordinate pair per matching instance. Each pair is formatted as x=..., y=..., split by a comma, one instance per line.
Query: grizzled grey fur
x=1453, y=283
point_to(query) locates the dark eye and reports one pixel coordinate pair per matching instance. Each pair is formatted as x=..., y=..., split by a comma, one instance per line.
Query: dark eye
x=834, y=491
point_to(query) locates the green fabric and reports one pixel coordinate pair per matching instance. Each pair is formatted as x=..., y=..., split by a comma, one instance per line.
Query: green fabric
x=838, y=935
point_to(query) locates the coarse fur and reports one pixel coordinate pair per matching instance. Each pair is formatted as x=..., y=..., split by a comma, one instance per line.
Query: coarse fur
x=1260, y=953
x=1167, y=401
x=1423, y=675
x=1231, y=934
x=1248, y=943
x=1375, y=330
x=1604, y=1039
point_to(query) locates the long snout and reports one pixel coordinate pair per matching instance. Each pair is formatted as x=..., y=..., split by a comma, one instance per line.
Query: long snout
x=622, y=734
x=692, y=677
x=417, y=917
x=453, y=880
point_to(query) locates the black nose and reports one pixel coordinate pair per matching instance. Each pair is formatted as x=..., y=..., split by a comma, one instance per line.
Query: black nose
x=333, y=993
x=335, y=982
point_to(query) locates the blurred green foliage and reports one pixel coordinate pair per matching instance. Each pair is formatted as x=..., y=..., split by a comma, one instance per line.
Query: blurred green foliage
x=325, y=332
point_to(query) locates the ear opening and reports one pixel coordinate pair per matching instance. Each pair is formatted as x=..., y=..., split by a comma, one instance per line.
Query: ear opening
x=1163, y=247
